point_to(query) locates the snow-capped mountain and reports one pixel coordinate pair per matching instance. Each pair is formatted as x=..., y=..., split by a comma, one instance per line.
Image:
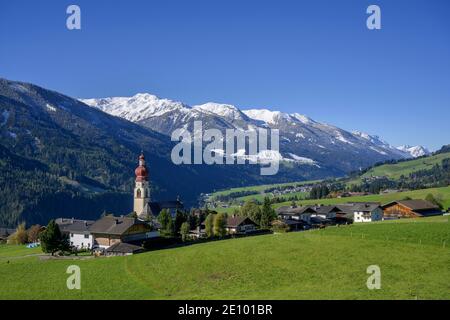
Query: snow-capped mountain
x=302, y=139
x=415, y=151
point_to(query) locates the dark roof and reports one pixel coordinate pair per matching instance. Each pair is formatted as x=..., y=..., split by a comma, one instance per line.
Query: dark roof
x=414, y=205
x=235, y=221
x=122, y=247
x=295, y=210
x=351, y=207
x=74, y=225
x=6, y=232
x=114, y=225
x=326, y=209
x=157, y=207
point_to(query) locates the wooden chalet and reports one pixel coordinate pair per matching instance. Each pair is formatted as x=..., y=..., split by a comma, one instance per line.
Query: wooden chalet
x=410, y=209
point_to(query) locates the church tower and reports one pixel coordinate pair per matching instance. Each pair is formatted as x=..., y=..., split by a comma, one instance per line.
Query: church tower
x=141, y=189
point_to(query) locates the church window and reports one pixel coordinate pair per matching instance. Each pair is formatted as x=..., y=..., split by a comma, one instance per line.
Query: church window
x=138, y=193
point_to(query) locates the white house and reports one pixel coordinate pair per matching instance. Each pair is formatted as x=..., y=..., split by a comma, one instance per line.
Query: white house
x=366, y=212
x=78, y=232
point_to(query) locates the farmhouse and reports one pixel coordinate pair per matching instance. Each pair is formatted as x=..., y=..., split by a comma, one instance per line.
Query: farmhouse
x=410, y=209
x=322, y=215
x=235, y=225
x=111, y=230
x=240, y=225
x=295, y=213
x=326, y=212
x=78, y=231
x=363, y=211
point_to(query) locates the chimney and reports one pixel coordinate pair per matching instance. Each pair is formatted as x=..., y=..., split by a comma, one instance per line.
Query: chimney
x=117, y=221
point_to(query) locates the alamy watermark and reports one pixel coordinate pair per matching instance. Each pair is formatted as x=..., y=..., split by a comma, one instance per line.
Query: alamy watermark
x=73, y=21
x=210, y=146
x=74, y=280
x=374, y=281
x=374, y=20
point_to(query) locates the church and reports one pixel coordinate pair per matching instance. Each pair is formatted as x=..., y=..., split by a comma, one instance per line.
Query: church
x=144, y=208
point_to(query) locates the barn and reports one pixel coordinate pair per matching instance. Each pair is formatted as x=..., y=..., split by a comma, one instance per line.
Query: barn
x=410, y=209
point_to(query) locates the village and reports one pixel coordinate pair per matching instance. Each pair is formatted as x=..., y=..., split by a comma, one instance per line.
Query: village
x=160, y=224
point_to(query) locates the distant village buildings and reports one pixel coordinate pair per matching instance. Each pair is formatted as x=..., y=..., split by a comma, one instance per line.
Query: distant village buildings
x=354, y=212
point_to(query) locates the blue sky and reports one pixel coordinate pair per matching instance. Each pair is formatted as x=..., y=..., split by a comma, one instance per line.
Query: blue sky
x=313, y=57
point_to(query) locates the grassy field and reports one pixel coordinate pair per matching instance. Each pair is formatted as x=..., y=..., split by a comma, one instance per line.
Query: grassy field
x=327, y=264
x=394, y=171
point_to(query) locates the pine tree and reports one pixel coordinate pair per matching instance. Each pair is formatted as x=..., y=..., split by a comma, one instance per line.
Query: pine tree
x=267, y=214
x=180, y=218
x=52, y=240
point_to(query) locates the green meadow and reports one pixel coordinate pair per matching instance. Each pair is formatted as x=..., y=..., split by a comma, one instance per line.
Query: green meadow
x=413, y=256
x=395, y=171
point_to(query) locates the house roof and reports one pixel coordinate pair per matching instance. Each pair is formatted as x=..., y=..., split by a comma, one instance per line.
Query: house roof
x=114, y=225
x=295, y=210
x=414, y=205
x=157, y=207
x=235, y=221
x=74, y=225
x=122, y=247
x=326, y=209
x=352, y=207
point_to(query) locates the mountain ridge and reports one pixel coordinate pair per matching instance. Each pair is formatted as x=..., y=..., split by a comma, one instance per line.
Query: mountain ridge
x=165, y=115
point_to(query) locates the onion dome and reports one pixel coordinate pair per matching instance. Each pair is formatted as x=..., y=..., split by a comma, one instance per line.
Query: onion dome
x=141, y=171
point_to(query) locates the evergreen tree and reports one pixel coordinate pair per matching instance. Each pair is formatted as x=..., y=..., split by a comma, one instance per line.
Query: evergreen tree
x=52, y=239
x=267, y=214
x=180, y=218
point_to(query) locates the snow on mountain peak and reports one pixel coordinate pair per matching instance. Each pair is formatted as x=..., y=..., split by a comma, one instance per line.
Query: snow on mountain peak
x=137, y=107
x=224, y=110
x=267, y=116
x=414, y=151
x=165, y=114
